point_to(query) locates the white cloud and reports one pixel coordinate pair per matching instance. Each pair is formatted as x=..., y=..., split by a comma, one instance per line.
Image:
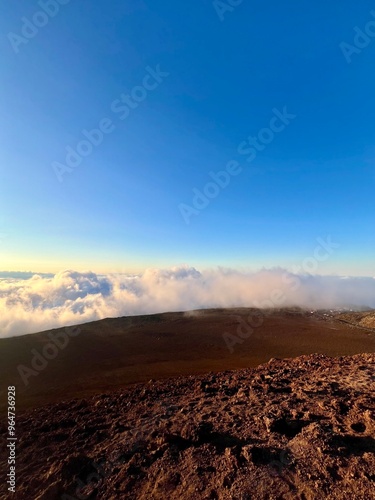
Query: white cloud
x=43, y=302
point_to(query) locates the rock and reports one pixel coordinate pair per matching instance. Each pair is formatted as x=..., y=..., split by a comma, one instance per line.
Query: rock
x=241, y=434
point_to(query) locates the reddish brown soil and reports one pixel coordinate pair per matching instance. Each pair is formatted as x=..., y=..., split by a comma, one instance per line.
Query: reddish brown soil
x=113, y=353
x=299, y=428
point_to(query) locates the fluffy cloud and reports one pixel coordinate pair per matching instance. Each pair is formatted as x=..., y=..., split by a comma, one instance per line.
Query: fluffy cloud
x=41, y=302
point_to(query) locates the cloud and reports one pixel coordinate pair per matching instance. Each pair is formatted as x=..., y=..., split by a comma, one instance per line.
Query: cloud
x=41, y=302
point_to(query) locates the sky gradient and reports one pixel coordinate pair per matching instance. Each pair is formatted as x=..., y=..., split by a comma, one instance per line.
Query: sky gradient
x=215, y=80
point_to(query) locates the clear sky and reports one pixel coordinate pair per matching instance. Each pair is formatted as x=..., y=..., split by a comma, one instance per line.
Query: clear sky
x=215, y=79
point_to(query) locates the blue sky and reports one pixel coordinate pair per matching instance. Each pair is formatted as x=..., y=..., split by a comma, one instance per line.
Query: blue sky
x=119, y=209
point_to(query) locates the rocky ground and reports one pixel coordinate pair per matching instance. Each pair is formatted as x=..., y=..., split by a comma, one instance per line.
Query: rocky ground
x=363, y=319
x=300, y=428
x=107, y=355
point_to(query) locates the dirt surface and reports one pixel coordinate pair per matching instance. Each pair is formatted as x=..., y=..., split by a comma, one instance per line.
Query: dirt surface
x=112, y=353
x=300, y=428
x=364, y=319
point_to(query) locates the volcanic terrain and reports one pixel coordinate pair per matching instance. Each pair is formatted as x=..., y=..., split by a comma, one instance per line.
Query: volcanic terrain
x=168, y=407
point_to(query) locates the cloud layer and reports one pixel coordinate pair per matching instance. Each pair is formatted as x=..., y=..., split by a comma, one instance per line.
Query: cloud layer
x=42, y=302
